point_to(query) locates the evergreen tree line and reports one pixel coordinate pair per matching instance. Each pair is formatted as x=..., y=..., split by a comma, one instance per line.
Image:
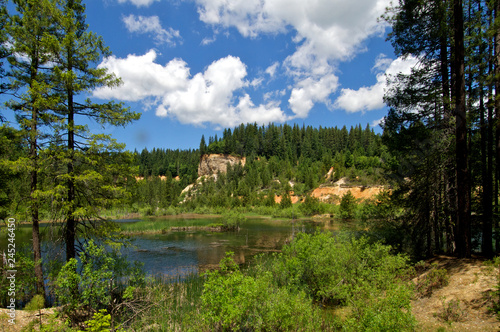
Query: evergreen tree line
x=169, y=163
x=443, y=125
x=293, y=142
x=279, y=159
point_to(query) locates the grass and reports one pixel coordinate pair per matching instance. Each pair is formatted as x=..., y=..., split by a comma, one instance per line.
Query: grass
x=163, y=226
x=173, y=303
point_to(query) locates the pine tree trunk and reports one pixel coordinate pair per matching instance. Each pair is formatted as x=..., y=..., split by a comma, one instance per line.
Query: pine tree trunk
x=463, y=235
x=70, y=222
x=497, y=105
x=487, y=244
x=37, y=251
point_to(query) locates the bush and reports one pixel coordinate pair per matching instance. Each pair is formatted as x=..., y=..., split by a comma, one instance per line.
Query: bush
x=102, y=281
x=451, y=312
x=234, y=301
x=342, y=270
x=312, y=206
x=290, y=213
x=434, y=279
x=348, y=206
x=232, y=220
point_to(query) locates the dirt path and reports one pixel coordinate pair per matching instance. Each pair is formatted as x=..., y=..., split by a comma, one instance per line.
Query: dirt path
x=23, y=319
x=470, y=290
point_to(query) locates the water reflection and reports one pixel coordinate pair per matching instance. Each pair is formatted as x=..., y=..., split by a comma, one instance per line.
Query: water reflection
x=181, y=252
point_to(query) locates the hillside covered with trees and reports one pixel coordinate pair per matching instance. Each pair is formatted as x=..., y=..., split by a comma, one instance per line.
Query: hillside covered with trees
x=279, y=160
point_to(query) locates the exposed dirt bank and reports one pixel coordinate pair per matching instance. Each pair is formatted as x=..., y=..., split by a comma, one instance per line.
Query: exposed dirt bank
x=470, y=290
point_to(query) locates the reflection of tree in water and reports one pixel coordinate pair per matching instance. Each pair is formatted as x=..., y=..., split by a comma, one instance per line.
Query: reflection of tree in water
x=244, y=244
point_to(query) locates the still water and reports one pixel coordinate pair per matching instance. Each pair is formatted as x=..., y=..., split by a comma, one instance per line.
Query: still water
x=175, y=253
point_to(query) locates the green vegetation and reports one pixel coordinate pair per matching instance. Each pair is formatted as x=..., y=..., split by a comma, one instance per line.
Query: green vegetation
x=106, y=281
x=279, y=160
x=318, y=282
x=303, y=288
x=439, y=155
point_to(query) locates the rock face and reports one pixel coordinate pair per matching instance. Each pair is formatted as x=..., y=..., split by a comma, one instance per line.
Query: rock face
x=211, y=164
x=335, y=192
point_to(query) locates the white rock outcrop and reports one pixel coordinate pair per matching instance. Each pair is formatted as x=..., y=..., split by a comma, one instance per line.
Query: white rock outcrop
x=211, y=164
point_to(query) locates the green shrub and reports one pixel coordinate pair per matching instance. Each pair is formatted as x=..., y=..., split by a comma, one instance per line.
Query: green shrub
x=312, y=206
x=342, y=270
x=100, y=322
x=348, y=206
x=234, y=301
x=103, y=278
x=289, y=213
x=232, y=220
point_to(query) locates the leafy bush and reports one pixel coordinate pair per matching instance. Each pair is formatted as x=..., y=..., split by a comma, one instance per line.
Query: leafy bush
x=312, y=206
x=342, y=270
x=103, y=278
x=100, y=322
x=290, y=213
x=232, y=220
x=234, y=301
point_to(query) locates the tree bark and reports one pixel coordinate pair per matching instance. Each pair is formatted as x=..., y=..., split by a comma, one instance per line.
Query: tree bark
x=497, y=103
x=463, y=235
x=70, y=220
x=487, y=243
x=37, y=250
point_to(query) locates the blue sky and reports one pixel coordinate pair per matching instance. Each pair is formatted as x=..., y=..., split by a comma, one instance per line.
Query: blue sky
x=195, y=67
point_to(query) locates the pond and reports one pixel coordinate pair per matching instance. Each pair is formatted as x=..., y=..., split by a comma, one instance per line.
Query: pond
x=178, y=252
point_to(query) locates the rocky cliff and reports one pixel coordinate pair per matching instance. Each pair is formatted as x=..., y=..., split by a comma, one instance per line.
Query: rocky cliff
x=211, y=164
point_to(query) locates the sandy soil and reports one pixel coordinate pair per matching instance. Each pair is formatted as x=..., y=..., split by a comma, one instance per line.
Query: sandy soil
x=471, y=285
x=336, y=192
x=23, y=318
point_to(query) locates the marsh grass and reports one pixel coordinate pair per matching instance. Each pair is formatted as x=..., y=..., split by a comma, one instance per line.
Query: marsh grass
x=174, y=303
x=163, y=226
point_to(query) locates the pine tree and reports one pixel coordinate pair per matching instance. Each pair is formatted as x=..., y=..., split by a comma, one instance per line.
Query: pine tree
x=33, y=97
x=77, y=51
x=203, y=146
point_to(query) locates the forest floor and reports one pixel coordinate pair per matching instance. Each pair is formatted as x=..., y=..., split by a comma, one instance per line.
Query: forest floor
x=466, y=303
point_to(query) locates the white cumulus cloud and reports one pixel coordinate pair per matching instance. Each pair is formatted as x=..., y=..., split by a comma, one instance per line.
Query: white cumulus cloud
x=139, y=3
x=143, y=78
x=326, y=32
x=310, y=91
x=215, y=96
x=151, y=25
x=371, y=97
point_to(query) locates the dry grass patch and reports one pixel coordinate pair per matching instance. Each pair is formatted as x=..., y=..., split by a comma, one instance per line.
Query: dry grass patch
x=464, y=303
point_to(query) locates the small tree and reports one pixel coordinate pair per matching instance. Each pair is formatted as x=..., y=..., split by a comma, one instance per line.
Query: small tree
x=347, y=206
x=286, y=201
x=33, y=98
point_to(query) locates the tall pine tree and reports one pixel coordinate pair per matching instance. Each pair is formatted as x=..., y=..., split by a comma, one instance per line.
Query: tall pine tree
x=30, y=74
x=77, y=50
